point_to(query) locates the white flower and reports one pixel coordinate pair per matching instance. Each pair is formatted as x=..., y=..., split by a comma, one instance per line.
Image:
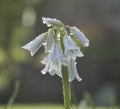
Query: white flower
x=60, y=48
x=57, y=53
x=76, y=32
x=54, y=61
x=52, y=67
x=50, y=40
x=51, y=21
x=35, y=44
x=72, y=70
x=71, y=49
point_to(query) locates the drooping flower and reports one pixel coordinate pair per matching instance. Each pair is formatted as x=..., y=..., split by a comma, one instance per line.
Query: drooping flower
x=54, y=61
x=60, y=48
x=72, y=70
x=71, y=49
x=79, y=35
x=35, y=44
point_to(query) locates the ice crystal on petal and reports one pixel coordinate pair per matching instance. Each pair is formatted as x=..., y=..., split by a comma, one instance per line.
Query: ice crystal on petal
x=35, y=44
x=76, y=32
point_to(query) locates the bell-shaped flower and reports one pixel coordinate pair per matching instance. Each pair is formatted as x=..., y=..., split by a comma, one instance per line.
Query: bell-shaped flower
x=35, y=44
x=53, y=67
x=50, y=40
x=51, y=21
x=71, y=49
x=54, y=61
x=72, y=71
x=79, y=35
x=60, y=48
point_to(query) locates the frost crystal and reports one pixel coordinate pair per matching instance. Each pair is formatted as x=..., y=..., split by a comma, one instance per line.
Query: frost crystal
x=60, y=48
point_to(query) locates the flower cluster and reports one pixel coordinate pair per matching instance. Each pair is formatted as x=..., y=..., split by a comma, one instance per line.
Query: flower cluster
x=60, y=48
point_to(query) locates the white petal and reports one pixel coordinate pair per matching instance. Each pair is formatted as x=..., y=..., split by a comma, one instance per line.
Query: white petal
x=53, y=66
x=72, y=54
x=56, y=65
x=69, y=43
x=71, y=49
x=64, y=61
x=77, y=52
x=46, y=69
x=76, y=32
x=50, y=41
x=35, y=44
x=56, y=53
x=72, y=70
x=45, y=60
x=52, y=72
x=51, y=21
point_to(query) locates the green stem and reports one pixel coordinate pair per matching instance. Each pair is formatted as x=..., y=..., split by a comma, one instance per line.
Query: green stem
x=15, y=92
x=66, y=88
x=65, y=77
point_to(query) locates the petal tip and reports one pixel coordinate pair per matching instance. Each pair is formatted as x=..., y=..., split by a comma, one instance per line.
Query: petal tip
x=43, y=72
x=24, y=47
x=80, y=79
x=86, y=44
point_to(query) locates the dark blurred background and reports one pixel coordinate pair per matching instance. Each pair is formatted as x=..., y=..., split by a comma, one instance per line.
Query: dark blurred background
x=20, y=22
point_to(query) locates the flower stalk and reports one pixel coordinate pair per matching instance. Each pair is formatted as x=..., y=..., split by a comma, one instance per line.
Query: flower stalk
x=65, y=79
x=61, y=52
x=66, y=88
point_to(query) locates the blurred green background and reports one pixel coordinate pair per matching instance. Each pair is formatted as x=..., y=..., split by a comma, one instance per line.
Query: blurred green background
x=20, y=22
